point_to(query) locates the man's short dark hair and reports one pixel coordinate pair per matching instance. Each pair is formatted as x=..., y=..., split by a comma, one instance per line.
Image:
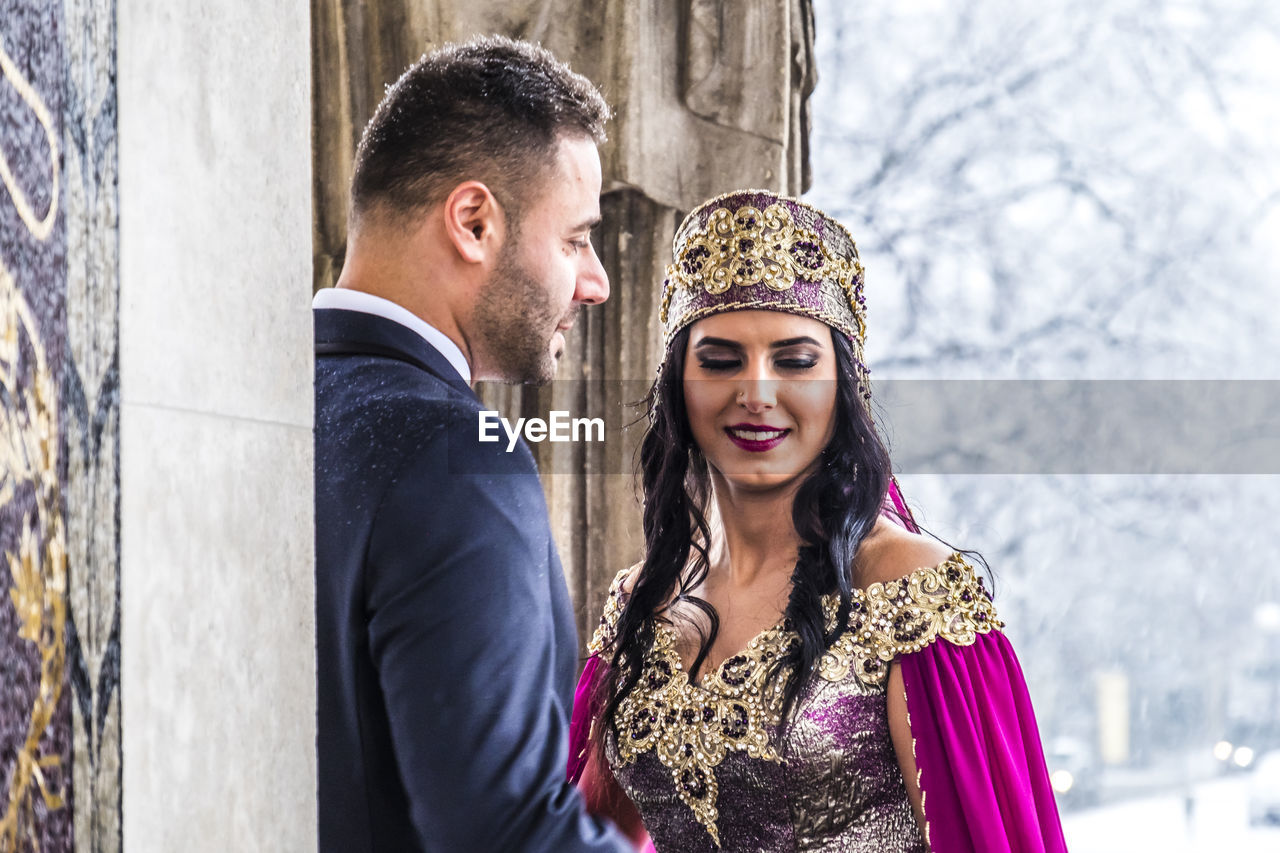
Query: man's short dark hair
x=491, y=109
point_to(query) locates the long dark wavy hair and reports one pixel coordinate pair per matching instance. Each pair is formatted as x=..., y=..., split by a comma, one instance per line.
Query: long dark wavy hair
x=835, y=508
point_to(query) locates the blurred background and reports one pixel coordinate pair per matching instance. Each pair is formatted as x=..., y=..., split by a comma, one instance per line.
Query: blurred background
x=1069, y=191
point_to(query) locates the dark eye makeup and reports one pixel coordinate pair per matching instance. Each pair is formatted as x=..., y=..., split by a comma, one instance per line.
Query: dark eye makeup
x=788, y=361
x=718, y=363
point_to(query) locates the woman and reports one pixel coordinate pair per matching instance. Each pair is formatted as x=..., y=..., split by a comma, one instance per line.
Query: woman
x=793, y=666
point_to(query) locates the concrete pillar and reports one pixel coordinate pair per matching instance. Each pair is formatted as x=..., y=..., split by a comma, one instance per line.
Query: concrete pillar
x=217, y=642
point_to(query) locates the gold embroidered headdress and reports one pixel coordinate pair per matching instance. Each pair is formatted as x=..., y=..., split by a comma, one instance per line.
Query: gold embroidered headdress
x=753, y=249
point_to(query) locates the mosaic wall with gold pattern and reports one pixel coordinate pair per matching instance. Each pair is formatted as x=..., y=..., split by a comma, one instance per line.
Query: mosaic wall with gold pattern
x=59, y=416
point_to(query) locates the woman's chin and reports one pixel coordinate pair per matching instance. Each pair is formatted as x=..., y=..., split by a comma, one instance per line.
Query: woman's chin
x=759, y=480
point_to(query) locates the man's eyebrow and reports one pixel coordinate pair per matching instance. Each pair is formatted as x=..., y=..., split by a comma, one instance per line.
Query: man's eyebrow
x=587, y=224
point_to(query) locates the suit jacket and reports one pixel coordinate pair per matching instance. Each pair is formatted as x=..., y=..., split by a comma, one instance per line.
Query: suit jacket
x=446, y=646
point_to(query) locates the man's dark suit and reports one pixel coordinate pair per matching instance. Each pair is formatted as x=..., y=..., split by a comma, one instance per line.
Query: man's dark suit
x=445, y=637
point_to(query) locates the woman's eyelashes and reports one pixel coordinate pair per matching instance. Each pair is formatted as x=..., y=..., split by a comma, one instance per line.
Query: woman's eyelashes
x=787, y=363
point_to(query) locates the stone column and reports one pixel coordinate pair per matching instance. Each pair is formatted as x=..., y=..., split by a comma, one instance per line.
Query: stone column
x=709, y=96
x=217, y=637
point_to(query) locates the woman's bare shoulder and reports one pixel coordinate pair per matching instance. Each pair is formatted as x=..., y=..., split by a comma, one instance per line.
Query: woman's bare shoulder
x=627, y=577
x=892, y=552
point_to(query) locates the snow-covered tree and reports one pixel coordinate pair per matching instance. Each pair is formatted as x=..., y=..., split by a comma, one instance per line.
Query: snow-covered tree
x=1067, y=190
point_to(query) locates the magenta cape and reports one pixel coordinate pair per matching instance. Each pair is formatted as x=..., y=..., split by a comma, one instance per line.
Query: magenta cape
x=586, y=707
x=978, y=752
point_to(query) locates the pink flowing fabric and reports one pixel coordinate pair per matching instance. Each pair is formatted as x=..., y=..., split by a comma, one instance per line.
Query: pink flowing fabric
x=587, y=707
x=896, y=508
x=585, y=702
x=982, y=769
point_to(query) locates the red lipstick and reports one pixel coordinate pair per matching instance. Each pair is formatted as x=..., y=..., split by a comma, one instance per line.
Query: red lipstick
x=756, y=438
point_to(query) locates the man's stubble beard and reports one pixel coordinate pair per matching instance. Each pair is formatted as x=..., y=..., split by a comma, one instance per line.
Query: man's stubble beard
x=516, y=322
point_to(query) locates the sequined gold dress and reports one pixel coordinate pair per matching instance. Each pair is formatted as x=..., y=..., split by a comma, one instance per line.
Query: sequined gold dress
x=704, y=762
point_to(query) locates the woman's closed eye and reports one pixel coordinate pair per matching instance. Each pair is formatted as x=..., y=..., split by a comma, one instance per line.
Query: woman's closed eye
x=791, y=363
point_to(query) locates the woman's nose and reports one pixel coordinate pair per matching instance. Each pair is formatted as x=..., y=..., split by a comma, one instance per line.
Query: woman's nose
x=758, y=395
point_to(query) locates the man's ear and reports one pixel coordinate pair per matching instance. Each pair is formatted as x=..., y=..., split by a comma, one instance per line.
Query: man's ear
x=474, y=222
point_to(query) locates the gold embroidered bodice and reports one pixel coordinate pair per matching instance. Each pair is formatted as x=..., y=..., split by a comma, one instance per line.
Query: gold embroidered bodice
x=693, y=727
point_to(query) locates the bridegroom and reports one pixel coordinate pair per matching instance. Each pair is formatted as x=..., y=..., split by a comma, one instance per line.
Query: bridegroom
x=446, y=646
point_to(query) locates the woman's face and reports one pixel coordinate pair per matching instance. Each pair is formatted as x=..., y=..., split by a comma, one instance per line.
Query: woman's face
x=760, y=392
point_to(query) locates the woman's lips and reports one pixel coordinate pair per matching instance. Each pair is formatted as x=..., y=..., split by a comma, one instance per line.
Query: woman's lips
x=756, y=438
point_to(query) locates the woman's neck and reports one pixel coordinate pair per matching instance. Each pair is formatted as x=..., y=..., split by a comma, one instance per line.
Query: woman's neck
x=756, y=538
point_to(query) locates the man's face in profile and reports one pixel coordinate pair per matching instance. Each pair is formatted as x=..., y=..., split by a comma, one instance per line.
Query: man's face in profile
x=547, y=269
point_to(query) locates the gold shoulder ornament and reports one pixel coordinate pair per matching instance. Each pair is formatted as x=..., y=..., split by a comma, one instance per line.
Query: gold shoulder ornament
x=948, y=601
x=606, y=631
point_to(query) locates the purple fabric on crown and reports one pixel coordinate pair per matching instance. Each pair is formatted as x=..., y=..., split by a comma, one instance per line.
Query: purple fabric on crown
x=804, y=293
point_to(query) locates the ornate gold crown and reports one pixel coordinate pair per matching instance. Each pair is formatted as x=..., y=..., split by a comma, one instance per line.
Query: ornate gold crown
x=752, y=249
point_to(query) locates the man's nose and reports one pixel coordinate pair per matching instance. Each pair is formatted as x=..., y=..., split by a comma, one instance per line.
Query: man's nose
x=593, y=281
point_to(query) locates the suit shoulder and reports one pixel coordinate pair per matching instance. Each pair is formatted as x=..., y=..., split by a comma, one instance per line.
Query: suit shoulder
x=462, y=436
x=397, y=398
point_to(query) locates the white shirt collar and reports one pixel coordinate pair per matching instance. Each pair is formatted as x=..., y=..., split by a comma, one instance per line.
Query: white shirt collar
x=366, y=303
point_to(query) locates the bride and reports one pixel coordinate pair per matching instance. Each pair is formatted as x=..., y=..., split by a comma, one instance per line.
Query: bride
x=793, y=666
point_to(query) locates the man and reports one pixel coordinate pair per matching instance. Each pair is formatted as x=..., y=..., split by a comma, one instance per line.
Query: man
x=445, y=638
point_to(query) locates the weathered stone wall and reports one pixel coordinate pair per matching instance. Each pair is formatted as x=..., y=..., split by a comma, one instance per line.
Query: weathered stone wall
x=59, y=399
x=709, y=96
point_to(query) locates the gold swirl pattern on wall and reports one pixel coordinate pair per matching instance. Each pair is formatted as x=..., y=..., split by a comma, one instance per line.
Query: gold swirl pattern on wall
x=41, y=227
x=29, y=445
